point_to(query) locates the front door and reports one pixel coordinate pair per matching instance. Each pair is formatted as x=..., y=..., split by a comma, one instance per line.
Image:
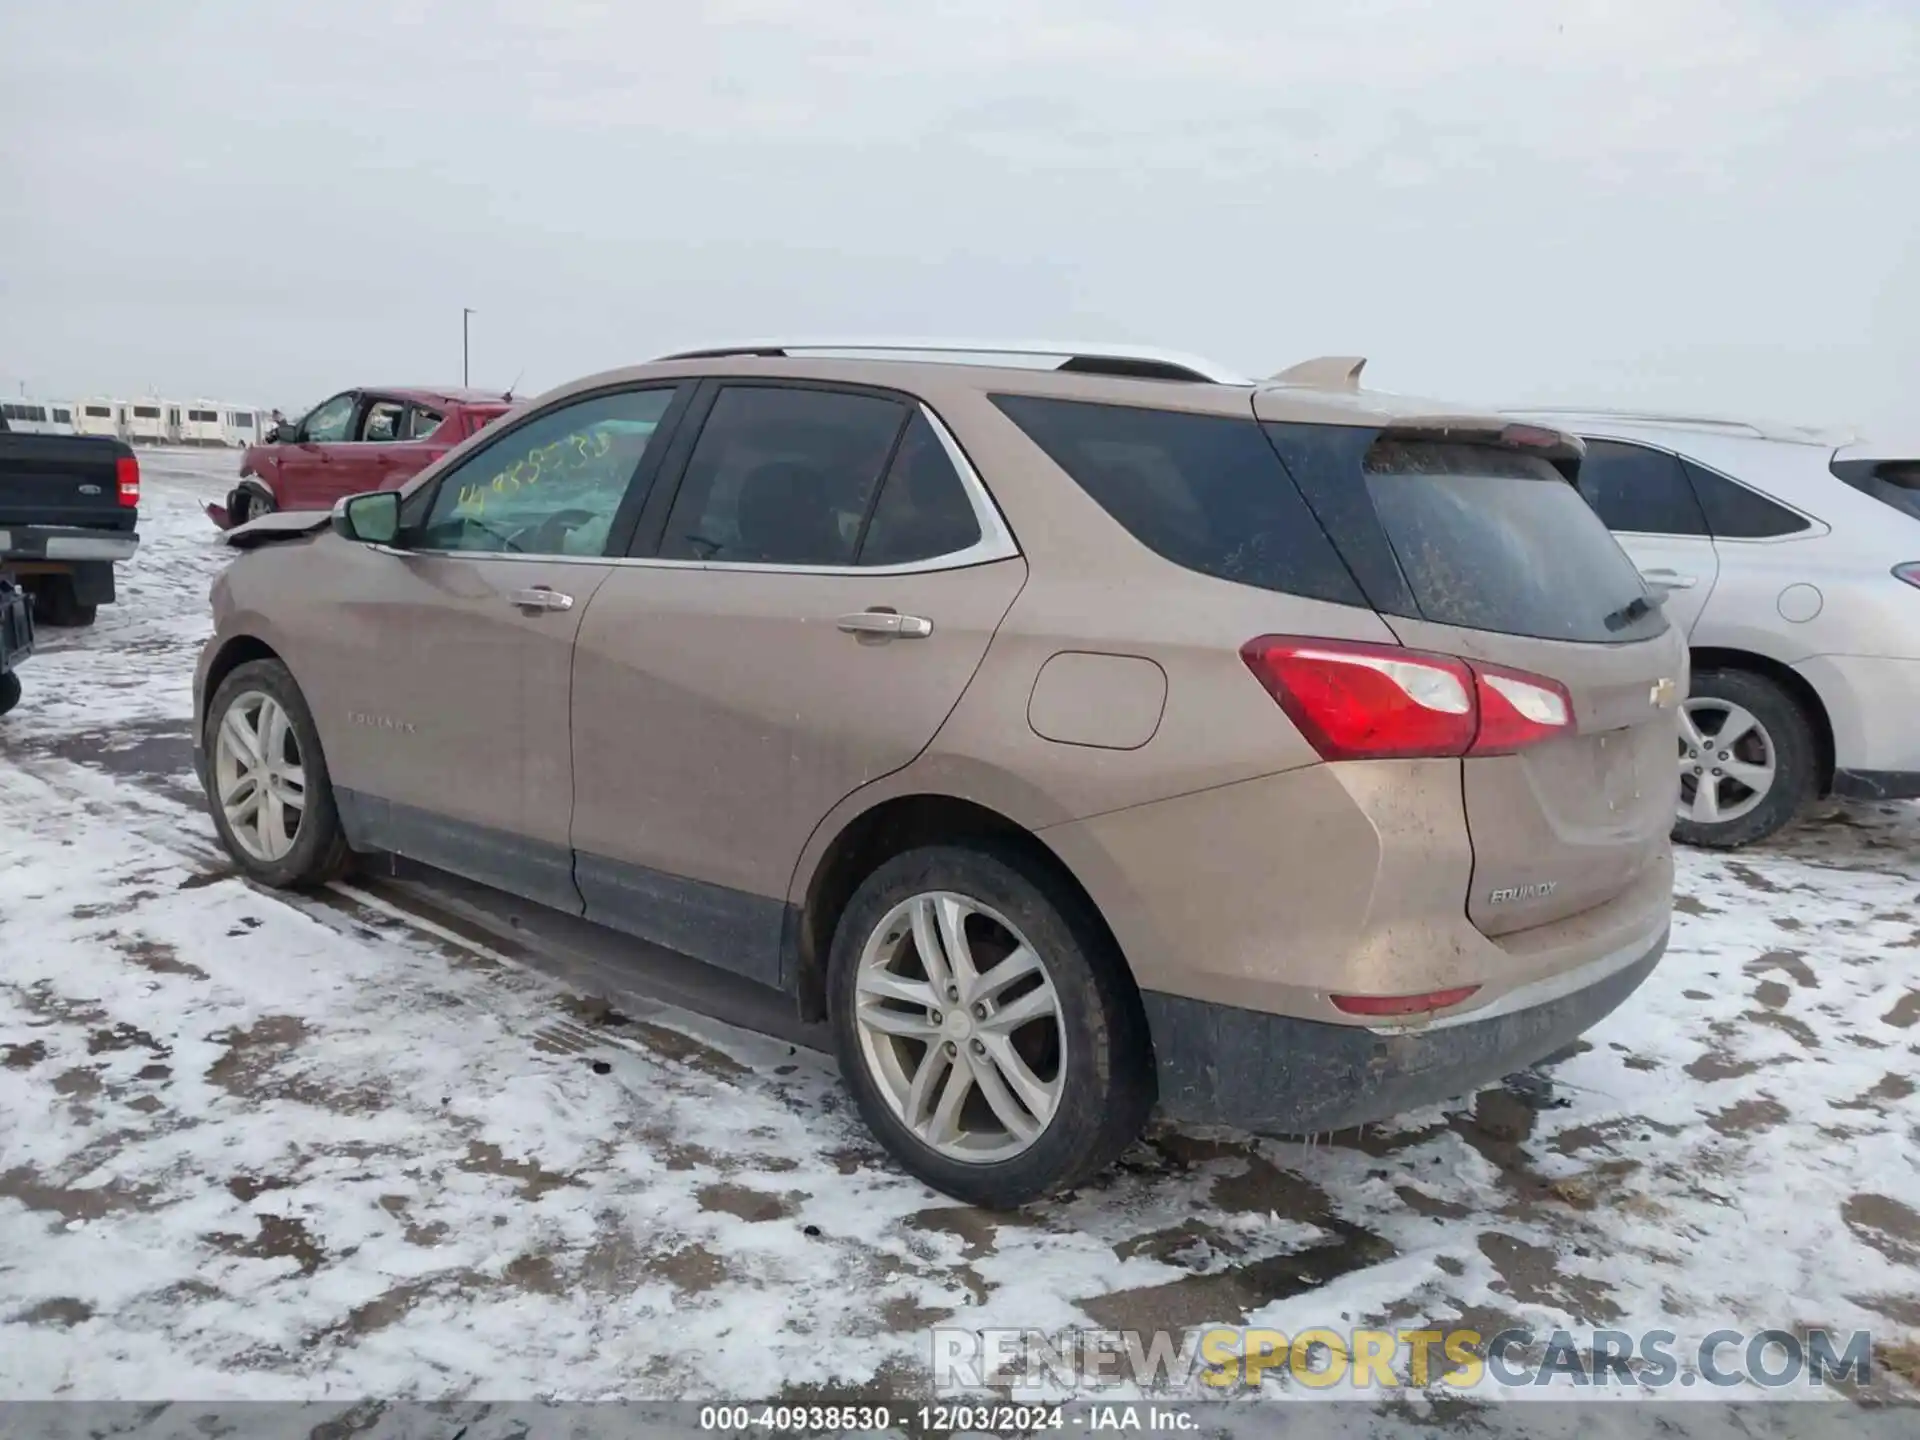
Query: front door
x=304, y=464
x=456, y=750
x=825, y=585
x=1644, y=497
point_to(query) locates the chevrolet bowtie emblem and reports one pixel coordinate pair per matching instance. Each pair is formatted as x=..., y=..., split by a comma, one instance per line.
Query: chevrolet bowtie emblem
x=1663, y=694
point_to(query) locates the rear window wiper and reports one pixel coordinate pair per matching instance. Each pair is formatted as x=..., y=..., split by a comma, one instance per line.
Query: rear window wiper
x=1634, y=609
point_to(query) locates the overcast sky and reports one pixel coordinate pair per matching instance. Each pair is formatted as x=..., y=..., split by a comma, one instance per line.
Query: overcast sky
x=1682, y=203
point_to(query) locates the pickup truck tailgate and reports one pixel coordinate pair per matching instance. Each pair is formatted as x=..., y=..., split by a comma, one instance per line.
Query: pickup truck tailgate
x=66, y=481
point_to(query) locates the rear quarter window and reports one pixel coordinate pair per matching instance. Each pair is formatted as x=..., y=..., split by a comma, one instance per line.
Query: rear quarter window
x=1495, y=540
x=1736, y=513
x=1204, y=491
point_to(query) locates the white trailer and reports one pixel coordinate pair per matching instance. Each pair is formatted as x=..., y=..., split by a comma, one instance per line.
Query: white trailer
x=241, y=427
x=146, y=422
x=97, y=415
x=38, y=417
x=201, y=423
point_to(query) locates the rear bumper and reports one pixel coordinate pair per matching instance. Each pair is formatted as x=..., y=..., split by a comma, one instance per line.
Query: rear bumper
x=1870, y=701
x=29, y=543
x=1276, y=1074
x=1877, y=784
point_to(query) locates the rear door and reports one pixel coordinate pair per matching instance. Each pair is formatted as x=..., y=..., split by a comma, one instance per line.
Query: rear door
x=1489, y=554
x=825, y=581
x=1645, y=498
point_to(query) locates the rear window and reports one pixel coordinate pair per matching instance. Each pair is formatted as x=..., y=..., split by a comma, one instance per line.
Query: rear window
x=1204, y=491
x=1494, y=540
x=1892, y=482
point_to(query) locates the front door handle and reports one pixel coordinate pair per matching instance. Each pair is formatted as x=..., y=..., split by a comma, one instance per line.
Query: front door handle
x=890, y=623
x=540, y=597
x=1670, y=579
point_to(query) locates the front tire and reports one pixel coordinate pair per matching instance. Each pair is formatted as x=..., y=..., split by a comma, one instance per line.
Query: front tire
x=246, y=503
x=9, y=691
x=986, y=1026
x=267, y=782
x=1748, y=760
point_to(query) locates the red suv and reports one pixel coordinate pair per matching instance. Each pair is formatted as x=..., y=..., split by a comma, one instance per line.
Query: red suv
x=372, y=439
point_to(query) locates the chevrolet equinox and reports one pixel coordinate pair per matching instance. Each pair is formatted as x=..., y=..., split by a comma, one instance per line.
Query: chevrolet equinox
x=1076, y=732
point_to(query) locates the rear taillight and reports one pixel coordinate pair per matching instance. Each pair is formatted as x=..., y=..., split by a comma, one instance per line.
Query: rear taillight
x=1910, y=572
x=126, y=472
x=1402, y=1004
x=1356, y=701
x=1518, y=710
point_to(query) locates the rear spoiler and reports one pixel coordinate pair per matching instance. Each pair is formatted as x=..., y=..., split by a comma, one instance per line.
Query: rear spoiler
x=1559, y=448
x=277, y=527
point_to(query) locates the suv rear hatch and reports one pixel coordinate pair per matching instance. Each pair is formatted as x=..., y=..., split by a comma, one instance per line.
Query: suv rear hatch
x=1471, y=542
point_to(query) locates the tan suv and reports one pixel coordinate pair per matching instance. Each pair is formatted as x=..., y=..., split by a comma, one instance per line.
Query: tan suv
x=1074, y=731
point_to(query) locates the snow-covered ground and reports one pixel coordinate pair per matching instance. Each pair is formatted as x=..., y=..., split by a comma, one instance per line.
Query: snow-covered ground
x=253, y=1147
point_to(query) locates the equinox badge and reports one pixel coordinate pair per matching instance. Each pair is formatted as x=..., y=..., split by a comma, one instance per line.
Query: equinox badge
x=1537, y=891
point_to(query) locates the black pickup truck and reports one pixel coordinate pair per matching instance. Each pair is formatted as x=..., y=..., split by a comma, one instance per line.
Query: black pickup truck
x=69, y=508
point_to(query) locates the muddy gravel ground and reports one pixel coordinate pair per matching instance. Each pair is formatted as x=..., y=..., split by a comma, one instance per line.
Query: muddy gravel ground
x=349, y=1146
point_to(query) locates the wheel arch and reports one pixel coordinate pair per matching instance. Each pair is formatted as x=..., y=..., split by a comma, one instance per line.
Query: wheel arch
x=903, y=822
x=1796, y=686
x=237, y=651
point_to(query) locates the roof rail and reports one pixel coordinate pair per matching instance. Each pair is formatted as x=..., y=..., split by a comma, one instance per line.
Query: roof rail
x=1135, y=361
x=1324, y=372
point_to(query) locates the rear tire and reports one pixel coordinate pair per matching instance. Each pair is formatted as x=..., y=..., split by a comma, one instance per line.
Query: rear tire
x=1089, y=1052
x=56, y=604
x=1774, y=749
x=270, y=843
x=9, y=691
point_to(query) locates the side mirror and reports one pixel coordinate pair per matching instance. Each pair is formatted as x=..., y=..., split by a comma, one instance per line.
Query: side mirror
x=285, y=434
x=371, y=519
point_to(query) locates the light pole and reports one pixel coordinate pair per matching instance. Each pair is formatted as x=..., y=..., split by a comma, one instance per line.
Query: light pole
x=464, y=313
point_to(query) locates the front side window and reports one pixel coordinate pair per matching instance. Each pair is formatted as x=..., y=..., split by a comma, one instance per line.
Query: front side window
x=782, y=476
x=382, y=425
x=63, y=417
x=330, y=423
x=1639, y=491
x=551, y=486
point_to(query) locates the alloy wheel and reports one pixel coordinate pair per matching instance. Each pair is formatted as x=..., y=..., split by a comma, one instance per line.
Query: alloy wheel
x=1727, y=761
x=259, y=777
x=960, y=1027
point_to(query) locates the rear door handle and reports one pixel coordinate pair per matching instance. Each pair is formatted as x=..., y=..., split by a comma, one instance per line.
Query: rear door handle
x=1671, y=579
x=539, y=597
x=886, y=622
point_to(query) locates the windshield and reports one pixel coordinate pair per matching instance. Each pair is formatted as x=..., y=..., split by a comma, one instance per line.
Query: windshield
x=1494, y=540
